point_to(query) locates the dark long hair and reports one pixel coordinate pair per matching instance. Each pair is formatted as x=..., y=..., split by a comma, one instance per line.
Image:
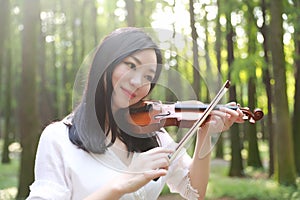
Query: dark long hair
x=93, y=119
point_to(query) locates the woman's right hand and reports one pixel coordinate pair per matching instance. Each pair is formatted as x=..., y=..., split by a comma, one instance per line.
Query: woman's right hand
x=145, y=167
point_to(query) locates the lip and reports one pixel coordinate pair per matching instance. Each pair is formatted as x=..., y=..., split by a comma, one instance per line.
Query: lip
x=128, y=93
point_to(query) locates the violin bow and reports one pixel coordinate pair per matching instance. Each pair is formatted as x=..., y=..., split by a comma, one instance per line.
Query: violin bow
x=200, y=121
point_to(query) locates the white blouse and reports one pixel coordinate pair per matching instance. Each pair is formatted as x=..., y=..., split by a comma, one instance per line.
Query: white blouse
x=65, y=172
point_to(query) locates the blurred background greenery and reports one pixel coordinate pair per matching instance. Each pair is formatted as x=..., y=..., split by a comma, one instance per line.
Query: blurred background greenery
x=255, y=44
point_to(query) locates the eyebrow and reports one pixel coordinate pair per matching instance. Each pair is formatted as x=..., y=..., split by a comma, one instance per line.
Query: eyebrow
x=136, y=59
x=140, y=63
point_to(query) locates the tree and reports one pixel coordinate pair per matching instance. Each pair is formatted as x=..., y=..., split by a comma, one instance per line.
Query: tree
x=196, y=68
x=251, y=129
x=5, y=59
x=236, y=165
x=296, y=116
x=46, y=105
x=285, y=166
x=219, y=147
x=28, y=111
x=4, y=14
x=130, y=7
x=269, y=89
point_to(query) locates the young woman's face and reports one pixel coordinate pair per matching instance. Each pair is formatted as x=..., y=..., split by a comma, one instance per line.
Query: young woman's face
x=132, y=78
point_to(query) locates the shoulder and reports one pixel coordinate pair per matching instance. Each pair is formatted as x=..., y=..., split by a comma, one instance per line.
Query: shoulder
x=56, y=132
x=55, y=129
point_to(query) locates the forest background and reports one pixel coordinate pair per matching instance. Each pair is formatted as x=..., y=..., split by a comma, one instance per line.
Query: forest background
x=255, y=44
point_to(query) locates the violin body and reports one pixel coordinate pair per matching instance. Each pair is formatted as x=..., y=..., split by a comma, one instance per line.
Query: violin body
x=163, y=114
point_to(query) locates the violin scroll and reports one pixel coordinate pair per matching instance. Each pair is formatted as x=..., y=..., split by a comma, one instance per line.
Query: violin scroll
x=254, y=116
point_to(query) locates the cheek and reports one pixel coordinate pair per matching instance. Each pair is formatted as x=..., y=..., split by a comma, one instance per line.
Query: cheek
x=144, y=90
x=117, y=76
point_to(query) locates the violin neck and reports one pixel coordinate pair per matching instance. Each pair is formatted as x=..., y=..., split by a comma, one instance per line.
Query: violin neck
x=199, y=107
x=179, y=106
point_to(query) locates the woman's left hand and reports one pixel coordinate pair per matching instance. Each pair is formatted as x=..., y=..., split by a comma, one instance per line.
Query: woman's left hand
x=218, y=121
x=222, y=119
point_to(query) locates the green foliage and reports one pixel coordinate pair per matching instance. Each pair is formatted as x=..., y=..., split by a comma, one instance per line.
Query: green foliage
x=244, y=68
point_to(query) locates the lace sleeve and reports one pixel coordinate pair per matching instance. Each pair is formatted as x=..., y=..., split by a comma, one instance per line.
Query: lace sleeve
x=179, y=180
x=188, y=192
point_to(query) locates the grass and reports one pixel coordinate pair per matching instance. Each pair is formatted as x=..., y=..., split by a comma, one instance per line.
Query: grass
x=256, y=185
x=9, y=179
x=9, y=174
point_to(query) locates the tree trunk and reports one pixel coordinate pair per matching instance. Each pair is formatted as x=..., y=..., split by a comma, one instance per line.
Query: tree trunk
x=4, y=17
x=130, y=7
x=143, y=20
x=296, y=116
x=46, y=108
x=5, y=59
x=253, y=152
x=68, y=76
x=269, y=89
x=285, y=168
x=236, y=164
x=75, y=47
x=196, y=69
x=28, y=111
x=251, y=129
x=95, y=23
x=219, y=146
x=210, y=79
x=8, y=103
x=173, y=91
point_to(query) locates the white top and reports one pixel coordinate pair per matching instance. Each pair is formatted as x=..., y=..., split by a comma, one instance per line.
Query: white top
x=63, y=171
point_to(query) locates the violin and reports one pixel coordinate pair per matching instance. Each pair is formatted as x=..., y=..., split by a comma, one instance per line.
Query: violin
x=150, y=116
x=153, y=115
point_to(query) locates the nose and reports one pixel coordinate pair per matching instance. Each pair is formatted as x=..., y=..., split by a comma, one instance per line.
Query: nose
x=136, y=80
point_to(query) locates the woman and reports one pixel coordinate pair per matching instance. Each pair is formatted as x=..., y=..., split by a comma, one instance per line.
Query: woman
x=92, y=155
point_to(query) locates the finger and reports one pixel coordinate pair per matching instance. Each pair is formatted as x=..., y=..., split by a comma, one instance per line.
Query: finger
x=134, y=182
x=162, y=163
x=230, y=111
x=160, y=160
x=231, y=104
x=154, y=174
x=241, y=114
x=221, y=113
x=234, y=115
x=191, y=102
x=220, y=123
x=157, y=150
x=157, y=156
x=216, y=122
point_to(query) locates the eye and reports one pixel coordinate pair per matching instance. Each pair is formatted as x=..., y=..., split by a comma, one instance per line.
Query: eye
x=149, y=78
x=130, y=65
